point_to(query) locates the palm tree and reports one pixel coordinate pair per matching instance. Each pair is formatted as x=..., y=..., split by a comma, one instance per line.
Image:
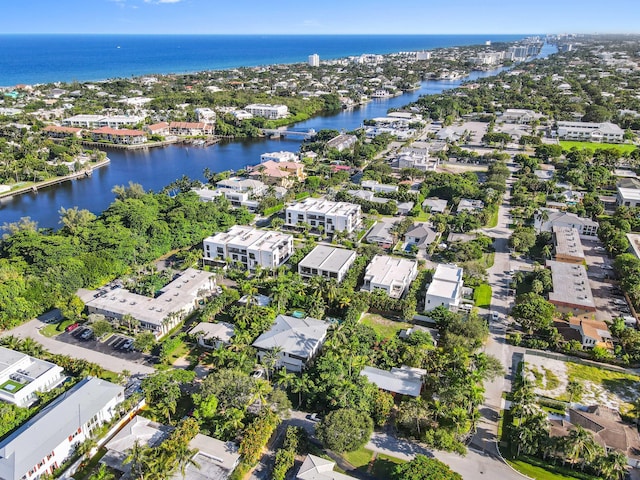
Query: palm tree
x=546, y=251
x=284, y=378
x=270, y=359
x=138, y=457
x=102, y=474
x=575, y=388
x=31, y=347
x=185, y=457
x=613, y=466
x=580, y=445
x=298, y=386
x=261, y=391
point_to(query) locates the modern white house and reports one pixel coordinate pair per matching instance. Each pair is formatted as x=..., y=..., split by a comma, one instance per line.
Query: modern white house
x=281, y=156
x=160, y=314
x=391, y=274
x=21, y=376
x=298, y=340
x=46, y=440
x=587, y=228
x=238, y=184
x=377, y=187
x=235, y=198
x=590, y=132
x=628, y=197
x=445, y=288
x=332, y=216
x=249, y=246
x=327, y=262
x=213, y=335
x=272, y=112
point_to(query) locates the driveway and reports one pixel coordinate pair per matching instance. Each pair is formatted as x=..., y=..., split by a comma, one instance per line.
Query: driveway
x=109, y=362
x=474, y=465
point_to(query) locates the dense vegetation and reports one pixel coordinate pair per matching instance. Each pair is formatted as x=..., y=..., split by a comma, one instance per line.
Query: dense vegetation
x=40, y=269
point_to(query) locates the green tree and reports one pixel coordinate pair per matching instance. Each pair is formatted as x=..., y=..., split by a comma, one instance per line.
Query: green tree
x=344, y=430
x=424, y=468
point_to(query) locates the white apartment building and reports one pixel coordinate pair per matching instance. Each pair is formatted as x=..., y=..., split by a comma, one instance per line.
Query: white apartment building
x=205, y=115
x=327, y=262
x=445, y=288
x=46, y=440
x=590, y=132
x=97, y=121
x=314, y=60
x=332, y=216
x=272, y=112
x=249, y=246
x=160, y=314
x=628, y=197
x=21, y=376
x=393, y=275
x=281, y=156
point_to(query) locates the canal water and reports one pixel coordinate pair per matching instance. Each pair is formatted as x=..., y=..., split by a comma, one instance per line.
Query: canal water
x=157, y=167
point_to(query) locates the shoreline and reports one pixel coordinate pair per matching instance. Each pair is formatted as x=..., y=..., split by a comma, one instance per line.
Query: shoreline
x=85, y=172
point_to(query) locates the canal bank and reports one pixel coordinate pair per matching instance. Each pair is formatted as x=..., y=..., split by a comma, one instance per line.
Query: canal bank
x=156, y=168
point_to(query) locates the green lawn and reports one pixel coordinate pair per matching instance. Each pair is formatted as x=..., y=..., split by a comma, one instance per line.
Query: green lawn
x=549, y=472
x=53, y=329
x=493, y=219
x=10, y=386
x=623, y=147
x=482, y=296
x=383, y=326
x=382, y=467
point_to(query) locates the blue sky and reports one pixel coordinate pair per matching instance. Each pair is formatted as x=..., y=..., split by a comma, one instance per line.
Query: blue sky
x=319, y=17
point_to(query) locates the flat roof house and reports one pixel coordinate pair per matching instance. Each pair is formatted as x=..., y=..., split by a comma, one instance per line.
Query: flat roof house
x=332, y=216
x=469, y=205
x=391, y=274
x=280, y=156
x=445, y=288
x=213, y=335
x=46, y=440
x=567, y=245
x=378, y=187
x=628, y=197
x=160, y=314
x=249, y=246
x=571, y=290
x=327, y=262
x=402, y=381
x=21, y=376
x=298, y=341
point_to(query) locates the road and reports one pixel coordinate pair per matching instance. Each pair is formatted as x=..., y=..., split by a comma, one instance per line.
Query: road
x=109, y=362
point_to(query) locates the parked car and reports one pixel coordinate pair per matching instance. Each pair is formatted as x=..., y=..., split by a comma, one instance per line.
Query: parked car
x=87, y=334
x=72, y=327
x=258, y=373
x=126, y=345
x=314, y=417
x=494, y=316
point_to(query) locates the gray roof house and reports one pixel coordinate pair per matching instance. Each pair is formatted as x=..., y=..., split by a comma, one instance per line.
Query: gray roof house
x=44, y=441
x=298, y=340
x=434, y=205
x=403, y=381
x=381, y=234
x=213, y=335
x=421, y=235
x=318, y=468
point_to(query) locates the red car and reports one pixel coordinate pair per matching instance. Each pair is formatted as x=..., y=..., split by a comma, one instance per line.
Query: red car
x=72, y=327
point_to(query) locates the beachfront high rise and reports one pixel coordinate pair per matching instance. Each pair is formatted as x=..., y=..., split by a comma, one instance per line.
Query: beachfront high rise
x=314, y=60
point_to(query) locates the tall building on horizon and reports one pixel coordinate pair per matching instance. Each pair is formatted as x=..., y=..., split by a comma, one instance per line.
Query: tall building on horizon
x=314, y=60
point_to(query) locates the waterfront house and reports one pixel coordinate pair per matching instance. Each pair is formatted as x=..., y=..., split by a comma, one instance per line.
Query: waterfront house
x=161, y=128
x=191, y=129
x=55, y=131
x=282, y=174
x=120, y=137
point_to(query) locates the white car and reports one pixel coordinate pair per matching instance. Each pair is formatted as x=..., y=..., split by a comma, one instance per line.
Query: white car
x=494, y=316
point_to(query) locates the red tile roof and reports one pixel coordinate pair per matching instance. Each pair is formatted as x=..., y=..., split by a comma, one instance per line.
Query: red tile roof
x=123, y=132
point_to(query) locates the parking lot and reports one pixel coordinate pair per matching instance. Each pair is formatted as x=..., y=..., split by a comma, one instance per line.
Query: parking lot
x=116, y=345
x=609, y=300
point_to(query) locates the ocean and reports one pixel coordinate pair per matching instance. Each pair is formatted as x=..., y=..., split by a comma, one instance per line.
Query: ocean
x=31, y=59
